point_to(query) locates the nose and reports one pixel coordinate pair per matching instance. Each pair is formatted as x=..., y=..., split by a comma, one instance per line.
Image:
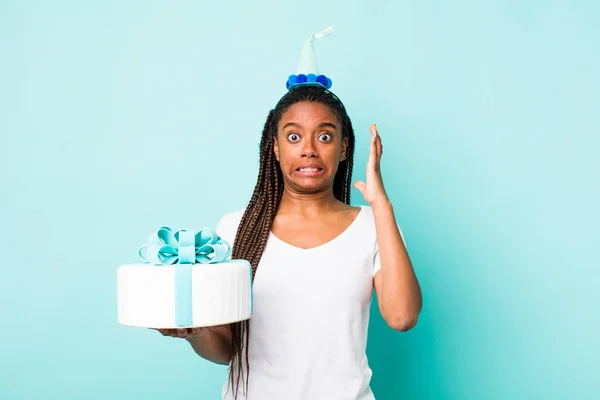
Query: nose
x=309, y=150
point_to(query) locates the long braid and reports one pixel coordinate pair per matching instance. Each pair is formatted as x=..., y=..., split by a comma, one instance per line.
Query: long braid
x=255, y=225
x=342, y=181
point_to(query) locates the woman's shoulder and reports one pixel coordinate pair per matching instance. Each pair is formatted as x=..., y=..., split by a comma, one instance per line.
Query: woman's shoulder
x=228, y=224
x=365, y=208
x=367, y=212
x=233, y=217
x=369, y=220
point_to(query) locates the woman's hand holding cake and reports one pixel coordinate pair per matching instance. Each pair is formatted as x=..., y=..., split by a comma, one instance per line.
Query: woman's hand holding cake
x=187, y=287
x=183, y=333
x=212, y=342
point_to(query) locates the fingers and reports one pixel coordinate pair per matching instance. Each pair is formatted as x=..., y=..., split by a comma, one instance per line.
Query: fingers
x=376, y=142
x=379, y=147
x=373, y=150
x=360, y=186
x=179, y=332
x=168, y=332
x=195, y=331
x=373, y=128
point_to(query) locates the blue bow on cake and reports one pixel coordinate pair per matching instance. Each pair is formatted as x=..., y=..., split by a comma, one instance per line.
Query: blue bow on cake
x=166, y=247
x=182, y=249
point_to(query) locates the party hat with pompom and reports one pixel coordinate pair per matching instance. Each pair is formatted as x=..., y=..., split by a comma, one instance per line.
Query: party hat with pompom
x=307, y=73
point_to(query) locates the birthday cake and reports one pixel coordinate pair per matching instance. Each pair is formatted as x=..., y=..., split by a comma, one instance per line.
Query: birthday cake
x=186, y=279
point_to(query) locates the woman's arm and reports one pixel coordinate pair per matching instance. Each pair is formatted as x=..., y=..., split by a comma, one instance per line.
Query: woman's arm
x=398, y=291
x=213, y=344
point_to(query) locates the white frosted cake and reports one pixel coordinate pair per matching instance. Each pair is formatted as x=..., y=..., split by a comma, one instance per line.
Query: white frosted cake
x=187, y=281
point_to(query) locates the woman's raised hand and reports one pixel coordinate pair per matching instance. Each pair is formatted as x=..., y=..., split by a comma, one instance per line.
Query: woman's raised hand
x=373, y=191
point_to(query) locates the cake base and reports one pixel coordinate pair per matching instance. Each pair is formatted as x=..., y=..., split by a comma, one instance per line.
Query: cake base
x=184, y=296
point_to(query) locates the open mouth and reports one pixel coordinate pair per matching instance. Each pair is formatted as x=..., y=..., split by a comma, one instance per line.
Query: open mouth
x=311, y=170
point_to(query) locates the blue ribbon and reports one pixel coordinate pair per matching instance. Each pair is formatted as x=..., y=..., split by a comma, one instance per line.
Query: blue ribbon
x=182, y=249
x=166, y=247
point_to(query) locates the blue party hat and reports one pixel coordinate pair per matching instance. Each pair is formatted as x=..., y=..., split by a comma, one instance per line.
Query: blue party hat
x=307, y=73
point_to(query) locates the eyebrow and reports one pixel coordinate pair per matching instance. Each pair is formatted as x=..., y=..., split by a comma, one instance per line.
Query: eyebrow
x=321, y=125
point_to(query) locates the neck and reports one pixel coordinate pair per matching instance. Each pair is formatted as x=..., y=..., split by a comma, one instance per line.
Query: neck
x=296, y=202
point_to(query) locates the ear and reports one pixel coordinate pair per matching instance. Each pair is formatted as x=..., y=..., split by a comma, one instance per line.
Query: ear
x=276, y=148
x=343, y=155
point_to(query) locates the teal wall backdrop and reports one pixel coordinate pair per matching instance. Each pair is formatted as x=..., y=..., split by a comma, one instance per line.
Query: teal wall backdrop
x=117, y=117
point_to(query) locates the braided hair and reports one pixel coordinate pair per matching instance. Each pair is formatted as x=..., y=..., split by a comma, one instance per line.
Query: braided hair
x=255, y=225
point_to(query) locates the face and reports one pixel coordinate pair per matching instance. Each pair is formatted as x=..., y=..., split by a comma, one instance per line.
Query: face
x=309, y=146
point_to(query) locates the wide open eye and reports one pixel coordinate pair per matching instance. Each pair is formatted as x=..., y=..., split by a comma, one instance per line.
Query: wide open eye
x=293, y=137
x=325, y=137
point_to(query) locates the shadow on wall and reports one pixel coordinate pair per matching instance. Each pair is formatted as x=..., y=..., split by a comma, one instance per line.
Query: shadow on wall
x=465, y=340
x=409, y=365
x=404, y=364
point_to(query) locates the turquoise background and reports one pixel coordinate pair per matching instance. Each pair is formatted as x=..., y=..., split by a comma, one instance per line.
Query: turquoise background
x=118, y=117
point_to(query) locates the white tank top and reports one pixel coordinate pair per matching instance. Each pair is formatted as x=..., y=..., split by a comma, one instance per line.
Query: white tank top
x=308, y=330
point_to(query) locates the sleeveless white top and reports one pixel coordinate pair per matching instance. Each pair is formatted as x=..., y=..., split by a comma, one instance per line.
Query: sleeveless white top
x=308, y=330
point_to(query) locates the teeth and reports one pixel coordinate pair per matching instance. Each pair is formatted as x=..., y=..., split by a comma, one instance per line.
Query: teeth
x=309, y=169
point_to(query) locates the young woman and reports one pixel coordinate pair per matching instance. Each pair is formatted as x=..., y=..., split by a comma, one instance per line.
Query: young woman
x=315, y=261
